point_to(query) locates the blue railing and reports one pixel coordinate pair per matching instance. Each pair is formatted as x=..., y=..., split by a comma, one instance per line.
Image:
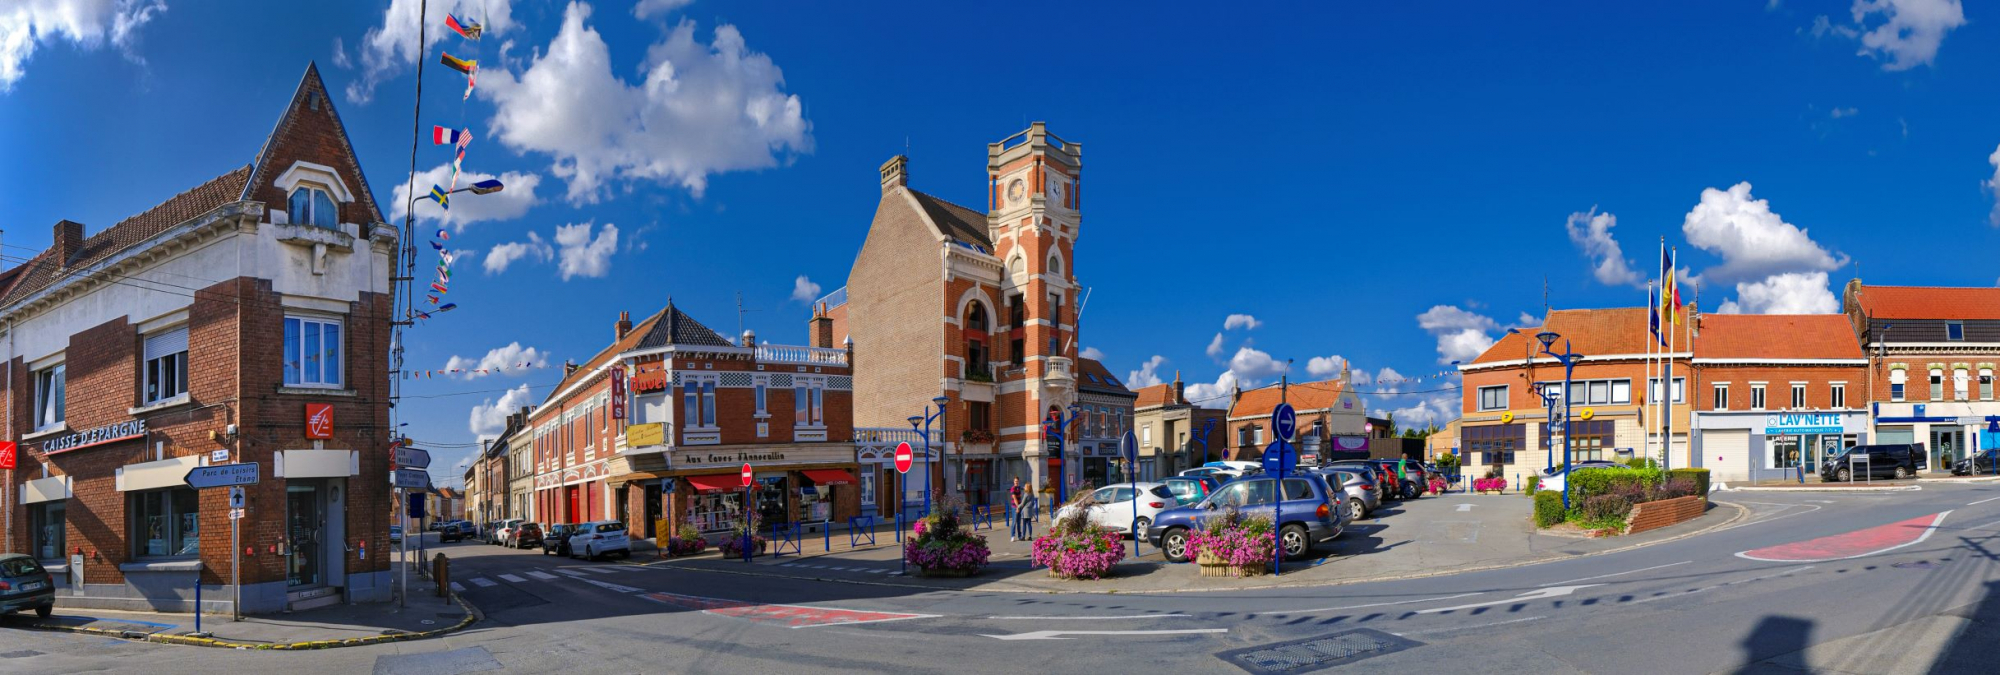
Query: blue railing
x=782, y=534
x=982, y=518
x=860, y=528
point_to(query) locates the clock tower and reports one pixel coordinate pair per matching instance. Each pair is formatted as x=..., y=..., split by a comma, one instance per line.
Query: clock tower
x=1033, y=220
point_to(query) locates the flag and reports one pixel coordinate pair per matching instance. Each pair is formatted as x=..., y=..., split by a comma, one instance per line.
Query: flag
x=443, y=136
x=438, y=246
x=447, y=256
x=466, y=28
x=458, y=64
x=446, y=307
x=444, y=235
x=456, y=160
x=1652, y=300
x=444, y=274
x=1670, y=292
x=443, y=199
x=440, y=288
x=432, y=298
x=471, y=80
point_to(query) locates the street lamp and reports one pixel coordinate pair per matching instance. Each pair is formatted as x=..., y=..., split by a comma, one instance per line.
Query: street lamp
x=925, y=420
x=1549, y=397
x=484, y=187
x=1568, y=359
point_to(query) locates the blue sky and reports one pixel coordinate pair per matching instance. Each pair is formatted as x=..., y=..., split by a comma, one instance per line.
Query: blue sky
x=1389, y=185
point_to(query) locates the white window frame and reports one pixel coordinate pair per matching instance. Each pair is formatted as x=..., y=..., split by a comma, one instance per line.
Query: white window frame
x=1937, y=384
x=1961, y=384
x=312, y=202
x=1898, y=384
x=173, y=363
x=1721, y=401
x=50, y=410
x=1985, y=384
x=297, y=360
x=1653, y=389
x=699, y=390
x=1757, y=396
x=1798, y=395
x=1837, y=395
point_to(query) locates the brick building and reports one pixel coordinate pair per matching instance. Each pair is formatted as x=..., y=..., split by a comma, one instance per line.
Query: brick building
x=1775, y=393
x=1931, y=354
x=1331, y=418
x=245, y=320
x=491, y=490
x=978, y=308
x=1170, y=428
x=658, y=425
x=1104, y=412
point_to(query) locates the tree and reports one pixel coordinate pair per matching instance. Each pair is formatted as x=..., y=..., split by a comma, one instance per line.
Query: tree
x=1447, y=462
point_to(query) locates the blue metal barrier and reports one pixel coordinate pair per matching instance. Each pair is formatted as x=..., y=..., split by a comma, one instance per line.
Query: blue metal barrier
x=899, y=527
x=859, y=528
x=982, y=518
x=782, y=534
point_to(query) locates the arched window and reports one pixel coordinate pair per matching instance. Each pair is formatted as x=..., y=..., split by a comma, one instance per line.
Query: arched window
x=975, y=317
x=1055, y=265
x=312, y=206
x=1017, y=267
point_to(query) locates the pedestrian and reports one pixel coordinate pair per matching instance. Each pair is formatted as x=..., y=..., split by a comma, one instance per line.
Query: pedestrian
x=1014, y=524
x=1030, y=504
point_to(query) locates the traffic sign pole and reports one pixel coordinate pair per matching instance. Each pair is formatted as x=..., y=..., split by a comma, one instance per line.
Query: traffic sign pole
x=749, y=535
x=1128, y=445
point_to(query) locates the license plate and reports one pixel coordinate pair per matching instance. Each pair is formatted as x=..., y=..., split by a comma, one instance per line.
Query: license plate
x=35, y=586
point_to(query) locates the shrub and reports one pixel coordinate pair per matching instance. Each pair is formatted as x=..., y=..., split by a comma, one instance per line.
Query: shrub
x=1531, y=484
x=1548, y=508
x=1588, y=482
x=1699, y=476
x=937, y=544
x=1603, y=511
x=689, y=542
x=1642, y=463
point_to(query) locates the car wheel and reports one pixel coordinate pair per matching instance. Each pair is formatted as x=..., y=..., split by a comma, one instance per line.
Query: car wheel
x=1293, y=540
x=1843, y=475
x=1173, y=545
x=1903, y=472
x=589, y=553
x=1354, y=510
x=44, y=611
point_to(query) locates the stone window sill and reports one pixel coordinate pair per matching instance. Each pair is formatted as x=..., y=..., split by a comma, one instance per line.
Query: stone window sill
x=317, y=391
x=189, y=565
x=168, y=404
x=60, y=427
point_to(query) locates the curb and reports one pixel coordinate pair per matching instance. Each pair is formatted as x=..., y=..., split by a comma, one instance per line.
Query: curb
x=1741, y=513
x=472, y=615
x=1898, y=488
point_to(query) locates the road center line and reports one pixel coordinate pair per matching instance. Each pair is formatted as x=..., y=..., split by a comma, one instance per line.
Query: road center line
x=1453, y=628
x=1982, y=501
x=1082, y=618
x=1377, y=604
x=1794, y=570
x=1618, y=574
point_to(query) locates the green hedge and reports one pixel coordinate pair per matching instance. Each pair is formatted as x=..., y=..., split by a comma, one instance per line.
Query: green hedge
x=1548, y=508
x=1699, y=476
x=1531, y=484
x=1591, y=482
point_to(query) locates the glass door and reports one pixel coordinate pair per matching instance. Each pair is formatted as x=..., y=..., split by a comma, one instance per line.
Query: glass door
x=303, y=521
x=1947, y=445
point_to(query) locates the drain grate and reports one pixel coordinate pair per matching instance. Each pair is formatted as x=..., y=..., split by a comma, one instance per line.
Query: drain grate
x=1326, y=651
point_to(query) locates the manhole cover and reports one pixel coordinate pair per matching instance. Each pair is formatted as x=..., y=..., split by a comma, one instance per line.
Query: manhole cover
x=1918, y=565
x=19, y=654
x=1325, y=651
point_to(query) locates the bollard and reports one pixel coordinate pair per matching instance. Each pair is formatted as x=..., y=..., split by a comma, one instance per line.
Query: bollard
x=441, y=570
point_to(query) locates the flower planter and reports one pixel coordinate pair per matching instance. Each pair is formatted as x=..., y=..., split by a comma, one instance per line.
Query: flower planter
x=1213, y=566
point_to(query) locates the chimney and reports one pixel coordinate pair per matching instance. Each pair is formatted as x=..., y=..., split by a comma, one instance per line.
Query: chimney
x=1180, y=390
x=623, y=326
x=568, y=367
x=822, y=327
x=67, y=241
x=749, y=338
x=895, y=173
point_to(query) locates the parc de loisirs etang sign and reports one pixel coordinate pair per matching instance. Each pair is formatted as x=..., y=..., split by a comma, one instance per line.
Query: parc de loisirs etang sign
x=90, y=437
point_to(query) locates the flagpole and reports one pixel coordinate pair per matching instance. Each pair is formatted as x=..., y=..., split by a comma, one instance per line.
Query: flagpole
x=1652, y=352
x=1667, y=383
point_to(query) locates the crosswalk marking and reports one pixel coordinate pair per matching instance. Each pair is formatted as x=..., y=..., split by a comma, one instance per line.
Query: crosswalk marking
x=601, y=570
x=612, y=587
x=512, y=578
x=570, y=573
x=544, y=576
x=484, y=582
x=457, y=588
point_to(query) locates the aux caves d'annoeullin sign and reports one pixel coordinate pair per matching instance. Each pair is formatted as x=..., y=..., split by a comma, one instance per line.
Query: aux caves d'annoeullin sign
x=1802, y=423
x=97, y=436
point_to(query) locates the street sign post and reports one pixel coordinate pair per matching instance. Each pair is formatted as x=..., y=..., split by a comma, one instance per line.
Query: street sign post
x=749, y=535
x=411, y=458
x=1128, y=447
x=904, y=457
x=410, y=479
x=223, y=475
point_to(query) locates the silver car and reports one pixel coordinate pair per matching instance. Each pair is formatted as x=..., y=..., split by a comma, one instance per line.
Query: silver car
x=1362, y=496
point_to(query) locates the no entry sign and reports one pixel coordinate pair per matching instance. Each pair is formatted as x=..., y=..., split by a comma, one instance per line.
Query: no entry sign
x=904, y=457
x=746, y=475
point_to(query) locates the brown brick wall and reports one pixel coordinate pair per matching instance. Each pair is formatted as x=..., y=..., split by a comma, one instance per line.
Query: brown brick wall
x=1655, y=515
x=896, y=308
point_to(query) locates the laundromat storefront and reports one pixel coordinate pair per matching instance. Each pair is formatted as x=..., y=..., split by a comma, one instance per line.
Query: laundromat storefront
x=812, y=485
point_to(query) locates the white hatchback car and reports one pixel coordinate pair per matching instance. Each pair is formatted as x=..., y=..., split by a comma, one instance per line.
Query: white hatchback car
x=601, y=538
x=1115, y=505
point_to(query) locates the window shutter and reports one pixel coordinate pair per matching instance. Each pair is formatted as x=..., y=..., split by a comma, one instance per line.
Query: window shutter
x=169, y=342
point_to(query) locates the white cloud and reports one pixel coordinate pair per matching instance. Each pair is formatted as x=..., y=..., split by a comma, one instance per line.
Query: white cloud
x=340, y=59
x=1527, y=319
x=1218, y=395
x=582, y=255
x=490, y=418
x=1844, y=112
x=804, y=290
x=1148, y=373
x=650, y=8
x=512, y=358
x=1822, y=27
x=1092, y=353
x=1993, y=184
x=1461, y=334
x=1591, y=232
x=1428, y=411
x=1911, y=30
x=1773, y=265
x=1236, y=321
x=1215, y=350
x=1324, y=366
x=504, y=255
x=1252, y=365
x=468, y=208
x=87, y=24
x=701, y=109
x=388, y=48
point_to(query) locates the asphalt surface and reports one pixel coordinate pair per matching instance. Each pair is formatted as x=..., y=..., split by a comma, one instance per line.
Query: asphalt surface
x=1686, y=606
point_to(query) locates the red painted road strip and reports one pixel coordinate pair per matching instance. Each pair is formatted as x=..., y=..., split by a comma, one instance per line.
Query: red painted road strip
x=789, y=616
x=1878, y=539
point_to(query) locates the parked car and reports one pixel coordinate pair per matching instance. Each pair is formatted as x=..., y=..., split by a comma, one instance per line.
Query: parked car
x=1191, y=489
x=600, y=538
x=1893, y=460
x=1552, y=478
x=525, y=534
x=1310, y=513
x=1987, y=462
x=1199, y=472
x=1385, y=482
x=1408, y=480
x=498, y=531
x=450, y=532
x=24, y=584
x=1236, y=465
x=1363, y=497
x=556, y=540
x=395, y=534
x=1113, y=507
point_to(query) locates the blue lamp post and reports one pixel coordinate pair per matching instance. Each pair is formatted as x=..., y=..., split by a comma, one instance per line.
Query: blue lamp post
x=1568, y=358
x=925, y=420
x=1057, y=427
x=1548, y=428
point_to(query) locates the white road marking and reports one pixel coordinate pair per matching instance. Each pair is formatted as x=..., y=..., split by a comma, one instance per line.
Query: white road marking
x=1620, y=574
x=1920, y=539
x=1376, y=604
x=598, y=570
x=1732, y=583
x=512, y=578
x=1982, y=501
x=484, y=582
x=1453, y=628
x=790, y=565
x=573, y=574
x=544, y=576
x=612, y=587
x=1081, y=618
x=1057, y=634
x=1465, y=507
x=1530, y=595
x=1815, y=507
x=457, y=588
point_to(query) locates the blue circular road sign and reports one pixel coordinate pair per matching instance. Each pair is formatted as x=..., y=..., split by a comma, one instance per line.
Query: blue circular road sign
x=1128, y=446
x=1284, y=422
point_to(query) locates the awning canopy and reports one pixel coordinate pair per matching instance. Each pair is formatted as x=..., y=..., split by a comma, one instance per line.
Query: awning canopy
x=624, y=478
x=721, y=482
x=829, y=477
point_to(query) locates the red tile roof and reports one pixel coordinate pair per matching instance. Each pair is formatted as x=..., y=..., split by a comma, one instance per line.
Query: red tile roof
x=1591, y=332
x=1156, y=395
x=1303, y=396
x=1930, y=302
x=44, y=270
x=1777, y=336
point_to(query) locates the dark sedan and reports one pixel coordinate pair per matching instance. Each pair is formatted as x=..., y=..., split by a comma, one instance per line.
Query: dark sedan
x=556, y=540
x=450, y=532
x=25, y=585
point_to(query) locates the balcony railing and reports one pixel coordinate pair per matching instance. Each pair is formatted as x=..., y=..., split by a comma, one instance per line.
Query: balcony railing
x=809, y=355
x=891, y=435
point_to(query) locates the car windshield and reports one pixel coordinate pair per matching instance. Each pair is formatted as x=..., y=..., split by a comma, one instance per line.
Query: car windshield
x=611, y=527
x=19, y=567
x=1162, y=491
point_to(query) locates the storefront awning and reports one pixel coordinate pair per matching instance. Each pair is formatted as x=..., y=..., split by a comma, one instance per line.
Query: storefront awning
x=621, y=479
x=716, y=483
x=829, y=477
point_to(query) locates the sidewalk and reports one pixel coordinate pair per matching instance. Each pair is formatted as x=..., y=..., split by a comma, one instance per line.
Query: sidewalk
x=428, y=615
x=1431, y=536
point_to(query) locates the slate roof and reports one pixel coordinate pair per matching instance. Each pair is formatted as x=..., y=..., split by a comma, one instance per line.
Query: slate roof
x=957, y=222
x=1777, y=336
x=628, y=343
x=1930, y=302
x=677, y=328
x=1093, y=376
x=44, y=270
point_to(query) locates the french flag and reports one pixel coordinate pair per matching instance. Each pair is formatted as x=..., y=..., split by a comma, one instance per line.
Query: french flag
x=443, y=136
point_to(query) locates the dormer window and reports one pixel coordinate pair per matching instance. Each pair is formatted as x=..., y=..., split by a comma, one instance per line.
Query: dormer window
x=313, y=206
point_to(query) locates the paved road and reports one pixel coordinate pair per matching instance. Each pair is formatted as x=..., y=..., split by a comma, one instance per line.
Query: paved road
x=1687, y=606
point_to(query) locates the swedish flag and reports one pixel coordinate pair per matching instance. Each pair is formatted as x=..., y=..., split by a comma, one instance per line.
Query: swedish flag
x=443, y=198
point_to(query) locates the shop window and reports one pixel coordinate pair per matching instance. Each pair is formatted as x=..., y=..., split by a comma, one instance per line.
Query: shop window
x=1756, y=397
x=1798, y=395
x=312, y=206
x=165, y=523
x=48, y=529
x=1837, y=395
x=1721, y=397
x=165, y=370
x=1590, y=440
x=715, y=511
x=49, y=396
x=1495, y=443
x=312, y=352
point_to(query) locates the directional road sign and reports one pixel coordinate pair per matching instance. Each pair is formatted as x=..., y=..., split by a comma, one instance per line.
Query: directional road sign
x=1128, y=447
x=223, y=475
x=904, y=457
x=412, y=458
x=410, y=479
x=235, y=497
x=1285, y=422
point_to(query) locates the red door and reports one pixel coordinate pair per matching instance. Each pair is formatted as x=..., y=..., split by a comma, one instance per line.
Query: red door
x=572, y=515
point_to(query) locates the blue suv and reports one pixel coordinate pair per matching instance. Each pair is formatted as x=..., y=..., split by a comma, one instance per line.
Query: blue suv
x=1310, y=515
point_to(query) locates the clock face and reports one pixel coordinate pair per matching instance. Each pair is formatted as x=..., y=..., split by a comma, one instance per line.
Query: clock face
x=1056, y=190
x=1016, y=190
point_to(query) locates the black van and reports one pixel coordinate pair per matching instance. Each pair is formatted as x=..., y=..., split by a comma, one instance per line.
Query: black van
x=1895, y=460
